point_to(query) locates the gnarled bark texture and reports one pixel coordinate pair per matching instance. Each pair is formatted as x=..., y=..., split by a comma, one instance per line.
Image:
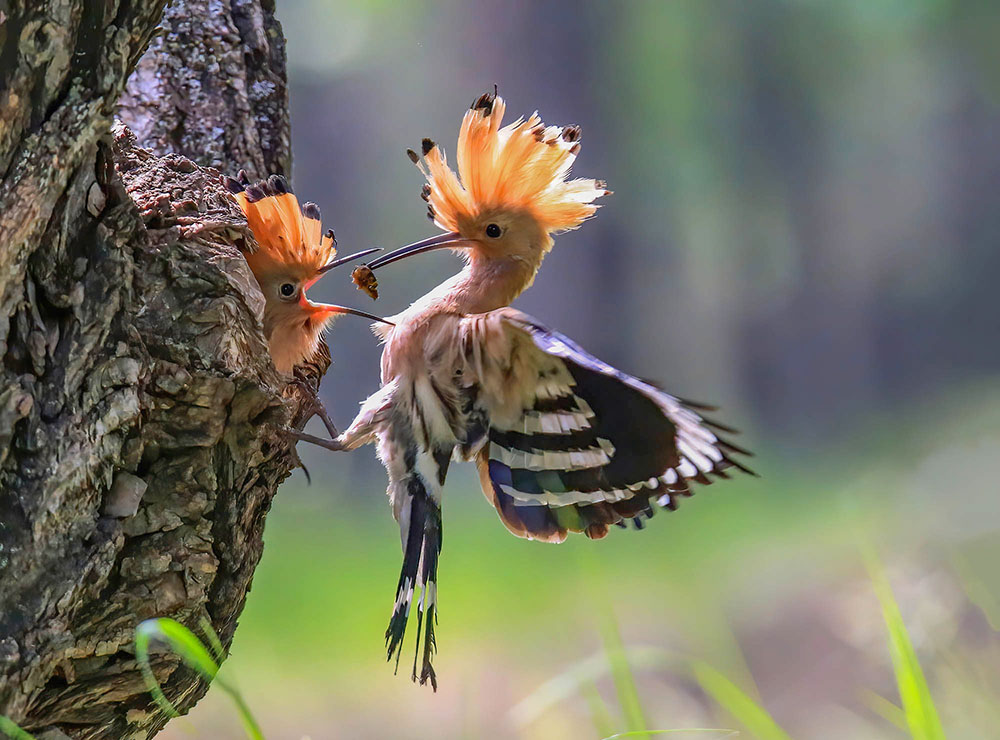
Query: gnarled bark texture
x=212, y=87
x=140, y=416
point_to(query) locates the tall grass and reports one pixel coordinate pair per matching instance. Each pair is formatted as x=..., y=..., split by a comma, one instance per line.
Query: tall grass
x=918, y=714
x=621, y=673
x=9, y=728
x=738, y=703
x=195, y=655
x=918, y=705
x=719, y=733
x=600, y=713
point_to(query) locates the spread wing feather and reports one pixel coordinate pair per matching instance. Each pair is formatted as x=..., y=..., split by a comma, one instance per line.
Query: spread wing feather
x=587, y=445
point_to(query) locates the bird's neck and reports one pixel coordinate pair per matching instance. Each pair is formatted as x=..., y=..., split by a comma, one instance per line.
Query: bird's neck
x=292, y=334
x=487, y=284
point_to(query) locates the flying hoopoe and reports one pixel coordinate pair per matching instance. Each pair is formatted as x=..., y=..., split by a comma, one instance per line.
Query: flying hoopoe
x=563, y=441
x=292, y=255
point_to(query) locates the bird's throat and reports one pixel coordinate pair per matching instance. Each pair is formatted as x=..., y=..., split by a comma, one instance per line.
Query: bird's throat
x=488, y=284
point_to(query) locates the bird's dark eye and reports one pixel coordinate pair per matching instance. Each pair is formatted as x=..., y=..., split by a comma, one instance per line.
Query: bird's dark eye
x=287, y=290
x=492, y=231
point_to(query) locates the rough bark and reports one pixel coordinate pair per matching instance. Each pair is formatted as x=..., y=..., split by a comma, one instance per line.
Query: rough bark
x=140, y=417
x=212, y=87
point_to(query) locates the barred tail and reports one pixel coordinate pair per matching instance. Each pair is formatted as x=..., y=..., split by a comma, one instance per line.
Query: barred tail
x=428, y=602
x=420, y=561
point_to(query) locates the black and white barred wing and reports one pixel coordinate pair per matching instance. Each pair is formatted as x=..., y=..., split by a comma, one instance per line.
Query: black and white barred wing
x=575, y=445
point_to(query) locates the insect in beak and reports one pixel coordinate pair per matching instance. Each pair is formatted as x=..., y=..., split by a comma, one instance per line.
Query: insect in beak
x=441, y=241
x=330, y=308
x=337, y=263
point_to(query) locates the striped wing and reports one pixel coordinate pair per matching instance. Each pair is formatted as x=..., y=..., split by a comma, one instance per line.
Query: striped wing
x=590, y=446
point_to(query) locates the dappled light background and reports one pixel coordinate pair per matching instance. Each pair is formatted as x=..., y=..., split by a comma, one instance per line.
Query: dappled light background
x=804, y=229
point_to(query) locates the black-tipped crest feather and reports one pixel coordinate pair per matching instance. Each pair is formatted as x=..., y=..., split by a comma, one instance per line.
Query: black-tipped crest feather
x=311, y=210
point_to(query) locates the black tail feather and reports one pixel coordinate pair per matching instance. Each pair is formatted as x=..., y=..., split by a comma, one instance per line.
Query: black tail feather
x=407, y=578
x=427, y=614
x=423, y=546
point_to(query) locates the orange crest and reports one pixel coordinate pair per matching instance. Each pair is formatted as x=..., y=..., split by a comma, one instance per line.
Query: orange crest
x=286, y=233
x=522, y=166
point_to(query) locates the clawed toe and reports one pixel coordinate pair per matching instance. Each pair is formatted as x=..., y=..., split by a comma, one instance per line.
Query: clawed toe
x=295, y=456
x=315, y=407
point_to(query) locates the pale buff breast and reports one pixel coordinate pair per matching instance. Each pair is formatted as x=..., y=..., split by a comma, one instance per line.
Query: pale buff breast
x=422, y=342
x=423, y=359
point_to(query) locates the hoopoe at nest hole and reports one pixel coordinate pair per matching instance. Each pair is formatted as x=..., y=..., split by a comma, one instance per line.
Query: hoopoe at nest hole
x=563, y=441
x=292, y=255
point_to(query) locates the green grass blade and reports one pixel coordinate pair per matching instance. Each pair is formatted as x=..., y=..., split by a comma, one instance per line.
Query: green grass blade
x=250, y=725
x=573, y=680
x=183, y=642
x=144, y=634
x=195, y=655
x=600, y=714
x=246, y=716
x=9, y=728
x=735, y=701
x=624, y=680
x=565, y=685
x=213, y=639
x=884, y=708
x=921, y=713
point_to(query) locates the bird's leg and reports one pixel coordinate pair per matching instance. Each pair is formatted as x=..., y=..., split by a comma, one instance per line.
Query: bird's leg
x=314, y=407
x=330, y=444
x=374, y=412
x=320, y=410
x=311, y=406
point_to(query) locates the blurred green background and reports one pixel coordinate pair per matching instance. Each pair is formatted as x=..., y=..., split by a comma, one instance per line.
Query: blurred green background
x=805, y=230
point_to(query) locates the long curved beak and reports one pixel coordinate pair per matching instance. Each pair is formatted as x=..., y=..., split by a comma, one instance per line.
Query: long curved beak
x=332, y=308
x=441, y=241
x=349, y=258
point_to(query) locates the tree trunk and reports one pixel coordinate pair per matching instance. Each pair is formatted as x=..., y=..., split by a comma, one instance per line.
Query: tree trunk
x=213, y=88
x=140, y=416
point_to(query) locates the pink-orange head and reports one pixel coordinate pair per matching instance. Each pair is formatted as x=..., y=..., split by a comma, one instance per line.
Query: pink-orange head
x=511, y=192
x=292, y=255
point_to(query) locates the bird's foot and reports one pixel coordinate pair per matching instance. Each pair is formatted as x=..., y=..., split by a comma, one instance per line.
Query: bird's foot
x=298, y=463
x=312, y=406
